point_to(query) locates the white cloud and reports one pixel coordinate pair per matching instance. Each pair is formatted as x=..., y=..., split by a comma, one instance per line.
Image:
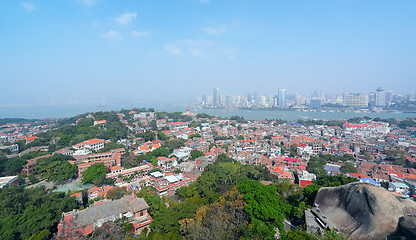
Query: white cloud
x=216, y=30
x=169, y=47
x=28, y=7
x=140, y=34
x=88, y=2
x=193, y=47
x=231, y=52
x=195, y=42
x=204, y=1
x=113, y=35
x=195, y=52
x=126, y=18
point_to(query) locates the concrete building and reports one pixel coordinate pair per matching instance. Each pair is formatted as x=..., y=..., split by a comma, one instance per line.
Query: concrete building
x=357, y=100
x=92, y=144
x=399, y=187
x=282, y=98
x=14, y=148
x=380, y=97
x=315, y=104
x=7, y=181
x=216, y=97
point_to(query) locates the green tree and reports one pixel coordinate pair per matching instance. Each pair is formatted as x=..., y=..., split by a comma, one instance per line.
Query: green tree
x=263, y=204
x=147, y=136
x=26, y=213
x=309, y=192
x=116, y=193
x=348, y=167
x=162, y=136
x=194, y=135
x=32, y=178
x=196, y=154
x=174, y=144
x=332, y=181
x=56, y=168
x=94, y=174
x=224, y=158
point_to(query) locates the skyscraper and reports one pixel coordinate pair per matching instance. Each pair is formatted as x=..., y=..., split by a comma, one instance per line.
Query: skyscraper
x=216, y=97
x=228, y=100
x=356, y=99
x=282, y=98
x=380, y=97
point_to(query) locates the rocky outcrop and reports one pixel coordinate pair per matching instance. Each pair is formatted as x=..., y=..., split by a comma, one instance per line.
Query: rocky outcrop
x=406, y=229
x=363, y=211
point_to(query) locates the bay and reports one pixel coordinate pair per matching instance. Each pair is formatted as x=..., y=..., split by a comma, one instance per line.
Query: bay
x=56, y=111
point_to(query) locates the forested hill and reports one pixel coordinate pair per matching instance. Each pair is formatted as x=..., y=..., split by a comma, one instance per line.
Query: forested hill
x=16, y=120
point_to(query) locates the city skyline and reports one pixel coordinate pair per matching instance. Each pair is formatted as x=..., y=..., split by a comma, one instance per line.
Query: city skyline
x=78, y=52
x=376, y=100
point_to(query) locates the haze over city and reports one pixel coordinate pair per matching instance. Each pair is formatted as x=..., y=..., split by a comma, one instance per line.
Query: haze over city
x=83, y=51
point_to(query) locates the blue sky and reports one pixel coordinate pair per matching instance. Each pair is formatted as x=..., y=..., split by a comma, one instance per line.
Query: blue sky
x=81, y=51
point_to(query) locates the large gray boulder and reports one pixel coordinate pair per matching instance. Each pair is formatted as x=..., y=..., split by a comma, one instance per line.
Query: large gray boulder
x=363, y=211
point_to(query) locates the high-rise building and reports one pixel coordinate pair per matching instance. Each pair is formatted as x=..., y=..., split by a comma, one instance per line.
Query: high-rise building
x=209, y=100
x=380, y=97
x=262, y=100
x=282, y=98
x=229, y=100
x=356, y=100
x=249, y=97
x=316, y=94
x=204, y=99
x=315, y=103
x=216, y=97
x=274, y=101
x=411, y=96
x=389, y=96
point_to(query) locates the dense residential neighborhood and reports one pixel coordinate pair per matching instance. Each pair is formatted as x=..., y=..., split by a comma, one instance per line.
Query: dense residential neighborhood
x=134, y=166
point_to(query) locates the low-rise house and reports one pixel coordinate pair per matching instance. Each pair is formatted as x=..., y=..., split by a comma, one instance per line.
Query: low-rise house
x=99, y=122
x=306, y=178
x=178, y=125
x=283, y=173
x=65, y=151
x=165, y=162
x=399, y=187
x=147, y=147
x=14, y=148
x=34, y=149
x=92, y=145
x=183, y=153
x=143, y=169
x=80, y=223
x=9, y=180
x=186, y=167
x=167, y=184
x=101, y=192
x=30, y=139
x=29, y=167
x=116, y=169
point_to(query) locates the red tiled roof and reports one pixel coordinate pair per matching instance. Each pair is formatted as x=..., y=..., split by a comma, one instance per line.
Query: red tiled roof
x=304, y=183
x=177, y=123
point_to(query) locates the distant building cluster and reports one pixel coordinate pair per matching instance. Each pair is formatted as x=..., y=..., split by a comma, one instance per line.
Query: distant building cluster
x=376, y=100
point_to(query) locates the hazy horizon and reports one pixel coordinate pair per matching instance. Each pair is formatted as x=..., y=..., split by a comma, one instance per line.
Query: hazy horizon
x=75, y=52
